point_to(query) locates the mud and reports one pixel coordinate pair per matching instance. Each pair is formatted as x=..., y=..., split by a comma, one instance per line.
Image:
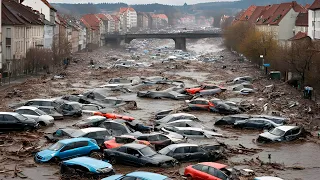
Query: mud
x=291, y=160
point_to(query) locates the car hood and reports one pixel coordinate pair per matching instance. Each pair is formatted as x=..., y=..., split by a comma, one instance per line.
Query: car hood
x=46, y=117
x=161, y=158
x=269, y=136
x=46, y=153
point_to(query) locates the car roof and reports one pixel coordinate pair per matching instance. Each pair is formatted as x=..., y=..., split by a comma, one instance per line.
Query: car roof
x=135, y=145
x=10, y=113
x=28, y=107
x=199, y=99
x=93, y=129
x=96, y=117
x=71, y=140
x=267, y=178
x=52, y=99
x=180, y=120
x=173, y=146
x=215, y=165
x=148, y=175
x=286, y=128
x=180, y=114
x=88, y=162
x=189, y=128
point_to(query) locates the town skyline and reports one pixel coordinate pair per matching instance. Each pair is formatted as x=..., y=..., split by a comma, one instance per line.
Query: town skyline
x=132, y=2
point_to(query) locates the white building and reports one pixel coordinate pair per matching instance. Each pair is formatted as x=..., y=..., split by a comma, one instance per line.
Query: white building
x=82, y=37
x=43, y=6
x=128, y=19
x=314, y=20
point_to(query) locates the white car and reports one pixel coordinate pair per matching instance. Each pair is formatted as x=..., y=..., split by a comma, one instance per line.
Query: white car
x=34, y=113
x=191, y=132
x=176, y=116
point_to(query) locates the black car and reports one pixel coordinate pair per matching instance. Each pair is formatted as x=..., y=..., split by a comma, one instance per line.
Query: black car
x=158, y=140
x=70, y=109
x=231, y=119
x=163, y=95
x=224, y=107
x=138, y=155
x=256, y=123
x=190, y=152
x=11, y=121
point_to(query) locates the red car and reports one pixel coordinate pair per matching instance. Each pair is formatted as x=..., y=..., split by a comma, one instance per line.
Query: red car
x=207, y=171
x=121, y=140
x=113, y=116
x=206, y=89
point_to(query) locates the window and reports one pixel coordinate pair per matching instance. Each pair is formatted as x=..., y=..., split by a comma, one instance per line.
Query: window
x=179, y=150
x=197, y=167
x=30, y=112
x=205, y=169
x=8, y=41
x=132, y=151
x=8, y=33
x=195, y=149
x=68, y=147
x=80, y=144
x=122, y=149
x=129, y=178
x=9, y=118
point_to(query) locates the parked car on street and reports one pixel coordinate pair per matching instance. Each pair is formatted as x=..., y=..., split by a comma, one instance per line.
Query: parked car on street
x=176, y=116
x=208, y=171
x=206, y=89
x=137, y=175
x=256, y=123
x=185, y=152
x=51, y=111
x=123, y=139
x=92, y=121
x=281, y=133
x=34, y=113
x=96, y=133
x=138, y=155
x=86, y=167
x=191, y=132
x=12, y=121
x=67, y=148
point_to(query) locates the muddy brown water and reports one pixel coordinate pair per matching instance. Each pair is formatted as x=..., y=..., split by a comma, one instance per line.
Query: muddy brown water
x=298, y=153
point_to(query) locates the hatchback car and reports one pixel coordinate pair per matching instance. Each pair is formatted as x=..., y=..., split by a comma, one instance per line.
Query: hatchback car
x=86, y=167
x=160, y=141
x=208, y=171
x=121, y=140
x=256, y=123
x=12, y=121
x=138, y=175
x=281, y=133
x=67, y=148
x=34, y=113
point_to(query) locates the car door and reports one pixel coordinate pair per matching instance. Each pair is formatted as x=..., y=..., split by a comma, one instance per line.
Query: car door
x=198, y=154
x=133, y=157
x=67, y=151
x=216, y=174
x=30, y=114
x=81, y=148
x=121, y=155
x=12, y=123
x=3, y=123
x=291, y=134
x=180, y=154
x=202, y=173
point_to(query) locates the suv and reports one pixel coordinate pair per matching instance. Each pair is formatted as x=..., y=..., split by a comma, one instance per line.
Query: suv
x=11, y=121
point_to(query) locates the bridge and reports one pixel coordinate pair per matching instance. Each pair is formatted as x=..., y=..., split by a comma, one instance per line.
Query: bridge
x=179, y=38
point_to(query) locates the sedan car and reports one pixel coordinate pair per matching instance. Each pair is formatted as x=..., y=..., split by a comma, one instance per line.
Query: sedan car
x=208, y=171
x=51, y=111
x=163, y=94
x=206, y=89
x=189, y=152
x=191, y=132
x=116, y=128
x=124, y=139
x=34, y=113
x=281, y=133
x=256, y=123
x=176, y=116
x=138, y=155
x=12, y=121
x=99, y=134
x=67, y=148
x=137, y=175
x=181, y=123
x=231, y=119
x=92, y=121
x=86, y=167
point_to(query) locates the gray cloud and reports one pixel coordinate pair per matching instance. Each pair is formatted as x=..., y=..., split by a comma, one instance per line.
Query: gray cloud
x=171, y=2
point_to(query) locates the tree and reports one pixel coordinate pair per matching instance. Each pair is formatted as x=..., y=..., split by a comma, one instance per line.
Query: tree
x=61, y=49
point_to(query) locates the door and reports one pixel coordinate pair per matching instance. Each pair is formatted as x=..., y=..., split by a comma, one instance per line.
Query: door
x=3, y=123
x=198, y=154
x=203, y=173
x=81, y=148
x=67, y=151
x=181, y=154
x=31, y=114
x=13, y=123
x=133, y=157
x=292, y=134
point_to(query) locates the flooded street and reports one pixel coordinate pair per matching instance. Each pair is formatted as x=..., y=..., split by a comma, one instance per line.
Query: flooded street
x=300, y=153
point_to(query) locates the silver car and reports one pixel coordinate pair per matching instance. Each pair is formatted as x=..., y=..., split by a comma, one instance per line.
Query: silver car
x=34, y=113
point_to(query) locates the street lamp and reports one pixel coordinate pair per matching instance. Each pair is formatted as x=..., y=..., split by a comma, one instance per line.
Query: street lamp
x=262, y=60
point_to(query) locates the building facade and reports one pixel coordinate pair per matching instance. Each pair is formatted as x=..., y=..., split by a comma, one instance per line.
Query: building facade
x=142, y=20
x=314, y=20
x=128, y=19
x=42, y=6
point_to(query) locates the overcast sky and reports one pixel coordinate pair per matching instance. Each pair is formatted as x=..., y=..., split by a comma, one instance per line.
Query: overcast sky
x=171, y=2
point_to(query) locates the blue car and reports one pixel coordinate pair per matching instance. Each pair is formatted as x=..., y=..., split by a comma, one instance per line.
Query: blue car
x=67, y=148
x=138, y=175
x=86, y=166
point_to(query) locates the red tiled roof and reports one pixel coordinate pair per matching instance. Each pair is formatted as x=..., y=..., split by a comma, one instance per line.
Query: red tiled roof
x=124, y=9
x=115, y=18
x=257, y=13
x=283, y=9
x=85, y=23
x=102, y=17
x=14, y=13
x=247, y=14
x=302, y=19
x=315, y=5
x=49, y=5
x=160, y=16
x=92, y=20
x=299, y=35
x=267, y=14
x=307, y=6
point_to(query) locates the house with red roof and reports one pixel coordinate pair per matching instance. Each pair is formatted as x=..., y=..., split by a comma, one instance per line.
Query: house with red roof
x=108, y=22
x=314, y=20
x=143, y=20
x=95, y=29
x=128, y=19
x=116, y=23
x=159, y=21
x=301, y=24
x=279, y=20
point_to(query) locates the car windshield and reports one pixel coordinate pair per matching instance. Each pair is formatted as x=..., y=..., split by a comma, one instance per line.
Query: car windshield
x=21, y=117
x=147, y=151
x=277, y=132
x=38, y=111
x=165, y=150
x=56, y=146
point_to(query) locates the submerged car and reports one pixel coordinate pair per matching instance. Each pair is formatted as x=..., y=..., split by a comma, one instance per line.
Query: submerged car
x=34, y=113
x=137, y=175
x=256, y=123
x=243, y=79
x=206, y=89
x=67, y=148
x=191, y=132
x=70, y=109
x=208, y=171
x=86, y=167
x=113, y=116
x=12, y=121
x=181, y=123
x=92, y=121
x=124, y=139
x=281, y=133
x=189, y=152
x=96, y=133
x=176, y=116
x=163, y=113
x=116, y=128
x=231, y=119
x=51, y=111
x=138, y=155
x=163, y=94
x=223, y=107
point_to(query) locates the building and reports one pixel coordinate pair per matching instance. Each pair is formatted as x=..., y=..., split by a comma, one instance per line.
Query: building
x=95, y=30
x=314, y=20
x=256, y=15
x=117, y=23
x=245, y=16
x=42, y=6
x=301, y=24
x=159, y=21
x=108, y=21
x=19, y=33
x=128, y=19
x=143, y=20
x=82, y=37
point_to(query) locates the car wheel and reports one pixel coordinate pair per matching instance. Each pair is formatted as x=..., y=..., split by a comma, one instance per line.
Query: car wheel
x=55, y=160
x=95, y=155
x=41, y=123
x=189, y=177
x=112, y=160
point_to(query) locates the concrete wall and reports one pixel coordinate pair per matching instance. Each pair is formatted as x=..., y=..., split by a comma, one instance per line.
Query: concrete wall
x=287, y=25
x=314, y=24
